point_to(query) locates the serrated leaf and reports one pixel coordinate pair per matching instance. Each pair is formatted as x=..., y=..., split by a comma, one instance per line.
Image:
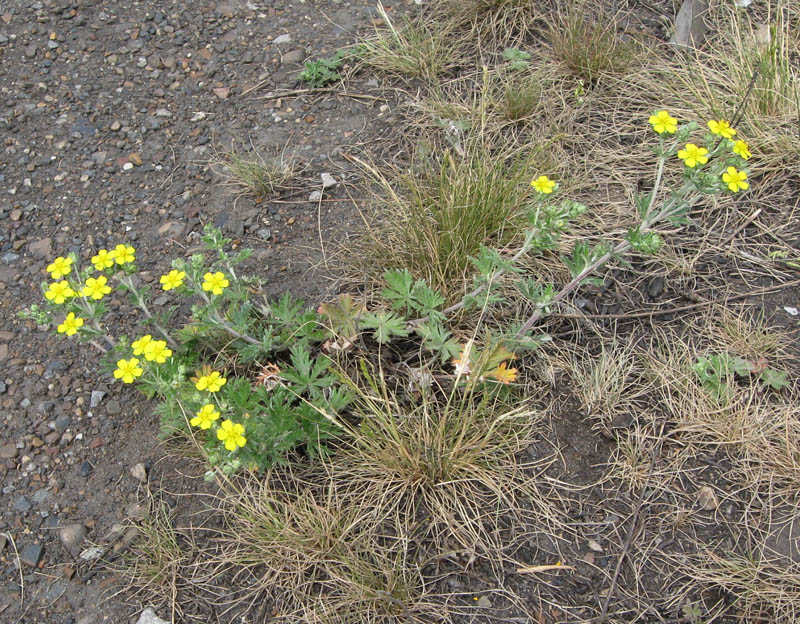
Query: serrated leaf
x=774, y=379
x=385, y=325
x=399, y=285
x=437, y=338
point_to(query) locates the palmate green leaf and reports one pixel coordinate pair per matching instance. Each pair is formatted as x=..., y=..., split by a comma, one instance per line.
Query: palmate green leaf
x=399, y=287
x=307, y=374
x=386, y=325
x=287, y=310
x=427, y=301
x=438, y=339
x=489, y=260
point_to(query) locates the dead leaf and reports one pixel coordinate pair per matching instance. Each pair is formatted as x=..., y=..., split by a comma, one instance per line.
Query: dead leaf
x=707, y=499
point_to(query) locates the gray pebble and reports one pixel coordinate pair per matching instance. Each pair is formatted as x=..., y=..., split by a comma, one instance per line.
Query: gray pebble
x=97, y=396
x=31, y=554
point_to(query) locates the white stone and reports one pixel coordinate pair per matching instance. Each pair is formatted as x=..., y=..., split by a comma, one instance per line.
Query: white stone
x=148, y=616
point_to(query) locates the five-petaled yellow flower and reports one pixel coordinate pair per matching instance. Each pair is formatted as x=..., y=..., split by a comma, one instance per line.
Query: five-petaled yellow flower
x=96, y=287
x=104, y=259
x=157, y=351
x=128, y=370
x=173, y=279
x=721, y=128
x=504, y=375
x=663, y=122
x=124, y=253
x=59, y=292
x=70, y=325
x=205, y=417
x=215, y=282
x=543, y=184
x=140, y=345
x=211, y=382
x=693, y=155
x=735, y=179
x=59, y=267
x=740, y=148
x=232, y=434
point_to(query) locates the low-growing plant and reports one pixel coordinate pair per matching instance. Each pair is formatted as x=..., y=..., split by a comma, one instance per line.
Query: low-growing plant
x=320, y=72
x=255, y=379
x=717, y=374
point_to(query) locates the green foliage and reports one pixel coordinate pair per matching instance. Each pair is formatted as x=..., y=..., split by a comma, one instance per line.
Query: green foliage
x=321, y=72
x=387, y=325
x=516, y=59
x=717, y=374
x=255, y=380
x=583, y=257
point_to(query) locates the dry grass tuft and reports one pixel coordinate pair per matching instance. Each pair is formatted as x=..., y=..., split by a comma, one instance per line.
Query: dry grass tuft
x=154, y=568
x=360, y=535
x=250, y=173
x=432, y=219
x=589, y=47
x=419, y=48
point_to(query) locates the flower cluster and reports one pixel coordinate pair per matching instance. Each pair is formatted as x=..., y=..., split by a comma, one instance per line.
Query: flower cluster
x=153, y=351
x=694, y=156
x=68, y=287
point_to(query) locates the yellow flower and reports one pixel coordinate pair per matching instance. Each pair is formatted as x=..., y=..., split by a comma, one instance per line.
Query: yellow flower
x=59, y=292
x=205, y=417
x=721, y=128
x=128, y=370
x=104, y=259
x=70, y=325
x=140, y=345
x=232, y=434
x=59, y=267
x=124, y=253
x=504, y=375
x=215, y=282
x=735, y=179
x=663, y=122
x=693, y=155
x=211, y=382
x=173, y=279
x=157, y=351
x=96, y=287
x=543, y=185
x=740, y=148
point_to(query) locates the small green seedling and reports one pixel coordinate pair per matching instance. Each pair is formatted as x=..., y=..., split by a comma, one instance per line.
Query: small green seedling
x=717, y=373
x=322, y=71
x=517, y=59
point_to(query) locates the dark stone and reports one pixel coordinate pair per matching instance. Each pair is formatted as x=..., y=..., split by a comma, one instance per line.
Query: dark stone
x=86, y=469
x=31, y=554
